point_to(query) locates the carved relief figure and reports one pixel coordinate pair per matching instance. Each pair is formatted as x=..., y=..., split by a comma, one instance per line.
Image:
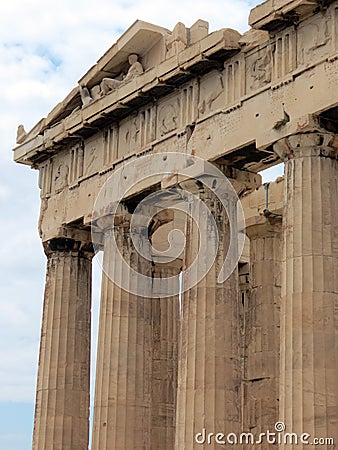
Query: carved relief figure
x=313, y=39
x=261, y=69
x=85, y=95
x=168, y=119
x=89, y=160
x=322, y=36
x=132, y=134
x=135, y=69
x=88, y=96
x=95, y=92
x=60, y=178
x=207, y=100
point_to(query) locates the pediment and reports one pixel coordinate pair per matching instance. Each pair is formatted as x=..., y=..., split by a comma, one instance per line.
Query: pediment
x=140, y=38
x=167, y=58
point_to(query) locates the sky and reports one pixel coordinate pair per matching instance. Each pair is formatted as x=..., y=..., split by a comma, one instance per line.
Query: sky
x=45, y=48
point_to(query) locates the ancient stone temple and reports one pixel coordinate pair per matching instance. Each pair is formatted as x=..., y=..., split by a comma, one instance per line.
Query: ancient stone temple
x=211, y=333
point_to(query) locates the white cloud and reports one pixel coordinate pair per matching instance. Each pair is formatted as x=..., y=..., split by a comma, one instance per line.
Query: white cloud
x=4, y=192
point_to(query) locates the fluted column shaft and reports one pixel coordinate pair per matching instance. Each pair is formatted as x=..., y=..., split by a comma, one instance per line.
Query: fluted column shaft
x=309, y=336
x=209, y=346
x=122, y=406
x=62, y=401
x=262, y=323
x=165, y=322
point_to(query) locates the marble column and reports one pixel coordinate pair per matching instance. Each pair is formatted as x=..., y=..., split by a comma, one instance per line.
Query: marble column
x=165, y=322
x=261, y=329
x=309, y=312
x=62, y=401
x=209, y=347
x=122, y=405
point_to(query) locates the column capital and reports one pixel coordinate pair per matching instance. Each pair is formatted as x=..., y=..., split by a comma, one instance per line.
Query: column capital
x=263, y=226
x=79, y=248
x=241, y=180
x=120, y=219
x=135, y=223
x=313, y=144
x=115, y=214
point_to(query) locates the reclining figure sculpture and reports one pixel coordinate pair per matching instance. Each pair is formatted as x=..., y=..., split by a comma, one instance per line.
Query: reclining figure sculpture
x=109, y=84
x=135, y=69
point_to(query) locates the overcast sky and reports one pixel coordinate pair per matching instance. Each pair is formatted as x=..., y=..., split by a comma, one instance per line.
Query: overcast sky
x=45, y=47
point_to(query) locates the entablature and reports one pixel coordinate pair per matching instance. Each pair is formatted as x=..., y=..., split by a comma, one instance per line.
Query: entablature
x=250, y=90
x=275, y=15
x=69, y=119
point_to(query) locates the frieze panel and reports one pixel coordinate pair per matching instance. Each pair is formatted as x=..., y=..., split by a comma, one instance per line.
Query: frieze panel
x=259, y=69
x=93, y=155
x=314, y=38
x=60, y=176
x=168, y=115
x=212, y=94
x=58, y=172
x=129, y=136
